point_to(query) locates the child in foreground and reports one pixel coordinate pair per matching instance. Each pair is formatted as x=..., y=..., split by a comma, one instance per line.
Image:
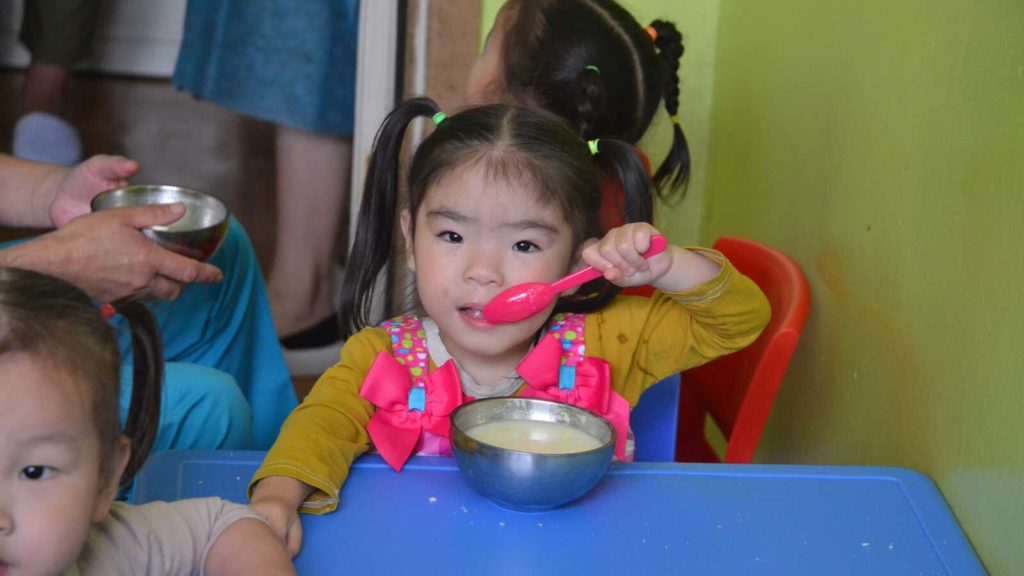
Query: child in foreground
x=63, y=454
x=497, y=196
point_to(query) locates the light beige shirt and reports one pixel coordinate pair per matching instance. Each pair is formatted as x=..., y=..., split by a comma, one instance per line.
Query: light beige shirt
x=158, y=538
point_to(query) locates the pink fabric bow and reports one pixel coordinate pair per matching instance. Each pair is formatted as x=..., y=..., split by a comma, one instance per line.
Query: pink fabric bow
x=394, y=427
x=592, y=390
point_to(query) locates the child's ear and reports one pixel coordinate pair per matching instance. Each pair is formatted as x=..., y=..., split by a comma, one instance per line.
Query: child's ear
x=410, y=258
x=112, y=478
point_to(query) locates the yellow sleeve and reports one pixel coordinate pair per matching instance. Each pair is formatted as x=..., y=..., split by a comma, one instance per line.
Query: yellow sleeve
x=323, y=436
x=647, y=339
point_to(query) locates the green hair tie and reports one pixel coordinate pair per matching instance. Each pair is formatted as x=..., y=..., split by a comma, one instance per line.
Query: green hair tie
x=438, y=118
x=593, y=146
x=594, y=68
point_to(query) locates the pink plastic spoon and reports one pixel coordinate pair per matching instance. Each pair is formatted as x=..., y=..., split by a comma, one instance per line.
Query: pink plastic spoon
x=524, y=300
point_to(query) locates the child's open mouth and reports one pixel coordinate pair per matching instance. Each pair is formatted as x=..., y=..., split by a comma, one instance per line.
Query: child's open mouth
x=473, y=315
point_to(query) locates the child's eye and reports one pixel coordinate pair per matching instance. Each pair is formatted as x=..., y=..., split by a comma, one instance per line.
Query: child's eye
x=525, y=246
x=450, y=236
x=36, y=472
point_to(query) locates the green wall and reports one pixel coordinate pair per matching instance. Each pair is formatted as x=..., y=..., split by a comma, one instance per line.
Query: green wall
x=697, y=20
x=880, y=144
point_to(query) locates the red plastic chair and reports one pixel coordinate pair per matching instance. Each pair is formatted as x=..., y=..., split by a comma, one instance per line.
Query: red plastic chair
x=738, y=390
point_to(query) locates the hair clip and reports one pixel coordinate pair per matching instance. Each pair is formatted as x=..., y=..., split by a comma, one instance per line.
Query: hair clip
x=652, y=33
x=107, y=310
x=674, y=118
x=438, y=118
x=594, y=68
x=592, y=144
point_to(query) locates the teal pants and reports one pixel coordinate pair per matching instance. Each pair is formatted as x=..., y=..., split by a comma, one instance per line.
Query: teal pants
x=226, y=326
x=226, y=384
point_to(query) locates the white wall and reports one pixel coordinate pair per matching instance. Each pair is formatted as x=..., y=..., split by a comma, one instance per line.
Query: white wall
x=137, y=37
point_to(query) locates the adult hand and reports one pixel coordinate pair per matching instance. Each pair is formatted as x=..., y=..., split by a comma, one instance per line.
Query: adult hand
x=106, y=255
x=73, y=189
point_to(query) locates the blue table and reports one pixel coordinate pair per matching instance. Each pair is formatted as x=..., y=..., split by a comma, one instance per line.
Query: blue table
x=641, y=519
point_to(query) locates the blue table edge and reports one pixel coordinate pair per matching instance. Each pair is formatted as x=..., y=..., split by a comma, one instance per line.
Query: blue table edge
x=932, y=511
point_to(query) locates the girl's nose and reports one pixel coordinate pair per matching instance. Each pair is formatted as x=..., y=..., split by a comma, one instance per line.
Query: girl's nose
x=483, y=267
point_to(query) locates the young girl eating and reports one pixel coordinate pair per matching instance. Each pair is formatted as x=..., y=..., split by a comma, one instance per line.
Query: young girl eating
x=63, y=454
x=497, y=196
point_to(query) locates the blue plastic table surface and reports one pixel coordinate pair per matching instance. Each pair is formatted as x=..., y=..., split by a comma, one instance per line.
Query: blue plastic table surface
x=642, y=518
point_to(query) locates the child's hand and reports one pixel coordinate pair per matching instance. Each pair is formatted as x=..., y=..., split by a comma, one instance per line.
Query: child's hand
x=620, y=256
x=277, y=500
x=284, y=521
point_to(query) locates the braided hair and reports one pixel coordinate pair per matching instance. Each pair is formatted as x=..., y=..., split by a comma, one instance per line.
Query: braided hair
x=676, y=166
x=592, y=63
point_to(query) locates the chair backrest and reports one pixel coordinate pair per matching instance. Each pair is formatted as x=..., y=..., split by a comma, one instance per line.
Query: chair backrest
x=654, y=422
x=738, y=390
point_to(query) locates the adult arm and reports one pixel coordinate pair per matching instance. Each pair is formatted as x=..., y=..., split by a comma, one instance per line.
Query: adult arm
x=105, y=254
x=38, y=195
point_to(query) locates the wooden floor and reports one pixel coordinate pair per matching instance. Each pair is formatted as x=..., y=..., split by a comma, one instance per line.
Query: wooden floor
x=177, y=140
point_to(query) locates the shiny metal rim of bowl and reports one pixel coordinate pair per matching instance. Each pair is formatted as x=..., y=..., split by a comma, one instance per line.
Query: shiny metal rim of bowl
x=211, y=214
x=481, y=411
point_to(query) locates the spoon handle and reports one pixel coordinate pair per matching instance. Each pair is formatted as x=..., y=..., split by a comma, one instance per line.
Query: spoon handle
x=658, y=245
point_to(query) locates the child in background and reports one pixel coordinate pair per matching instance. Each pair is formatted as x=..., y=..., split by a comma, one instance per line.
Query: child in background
x=63, y=454
x=592, y=63
x=497, y=196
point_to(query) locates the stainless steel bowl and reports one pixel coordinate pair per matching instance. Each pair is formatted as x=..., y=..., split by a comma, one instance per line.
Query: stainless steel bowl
x=528, y=481
x=197, y=234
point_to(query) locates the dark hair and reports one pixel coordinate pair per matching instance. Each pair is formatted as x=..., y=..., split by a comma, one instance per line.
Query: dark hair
x=58, y=323
x=592, y=63
x=512, y=142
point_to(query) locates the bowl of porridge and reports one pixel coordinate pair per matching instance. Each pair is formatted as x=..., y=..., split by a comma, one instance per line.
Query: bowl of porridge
x=530, y=455
x=197, y=234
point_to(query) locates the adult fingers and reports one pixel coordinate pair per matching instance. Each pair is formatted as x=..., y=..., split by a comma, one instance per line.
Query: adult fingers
x=163, y=288
x=112, y=167
x=146, y=216
x=182, y=269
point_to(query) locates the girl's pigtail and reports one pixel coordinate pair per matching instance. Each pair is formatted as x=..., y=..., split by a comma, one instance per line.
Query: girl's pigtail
x=372, y=246
x=144, y=410
x=590, y=101
x=674, y=171
x=617, y=159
